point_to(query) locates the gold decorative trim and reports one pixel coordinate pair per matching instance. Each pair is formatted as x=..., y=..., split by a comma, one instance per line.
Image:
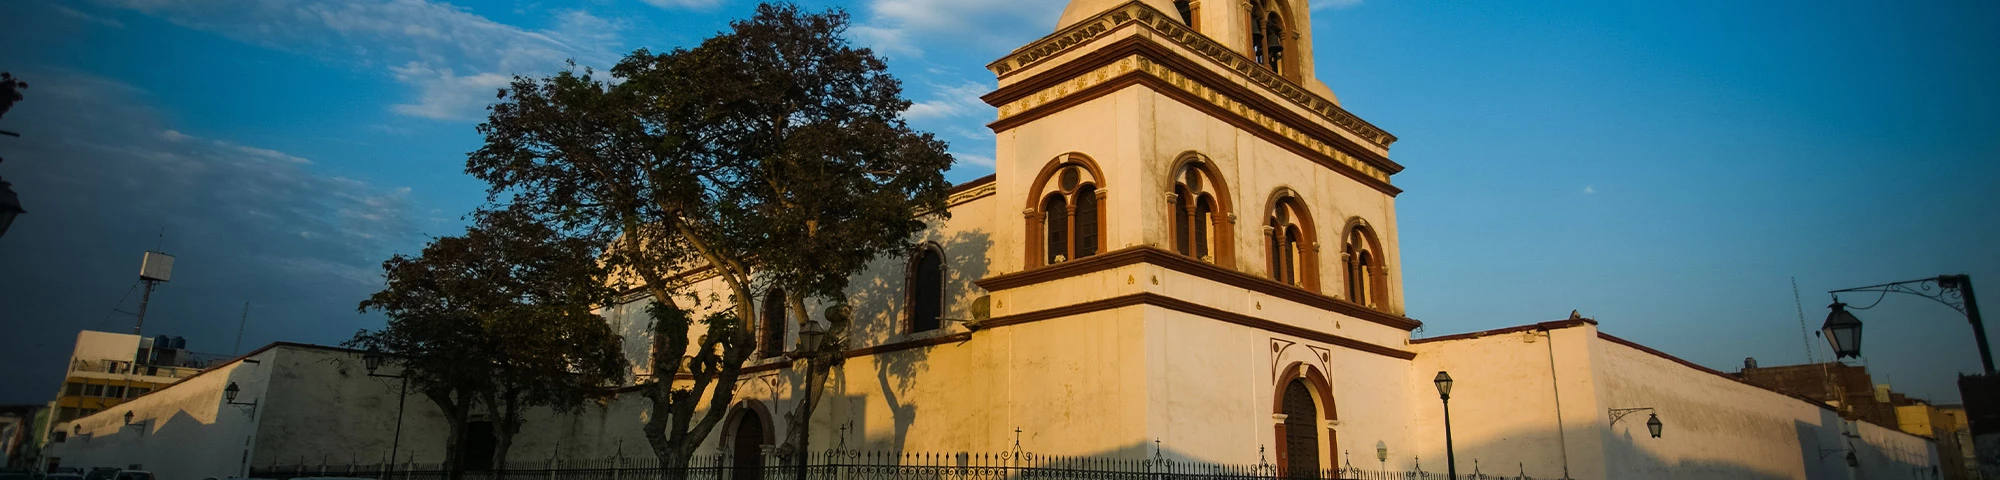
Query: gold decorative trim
x=1140, y=64
x=975, y=193
x=1167, y=27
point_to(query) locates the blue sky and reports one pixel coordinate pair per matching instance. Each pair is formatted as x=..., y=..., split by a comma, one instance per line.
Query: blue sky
x=1664, y=167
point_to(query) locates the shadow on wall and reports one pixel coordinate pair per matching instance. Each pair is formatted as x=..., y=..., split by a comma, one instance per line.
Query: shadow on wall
x=880, y=301
x=1629, y=454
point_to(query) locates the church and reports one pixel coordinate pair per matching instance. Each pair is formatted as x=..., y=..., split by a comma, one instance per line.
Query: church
x=1188, y=250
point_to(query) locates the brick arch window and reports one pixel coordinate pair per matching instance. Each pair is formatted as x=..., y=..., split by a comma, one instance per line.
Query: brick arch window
x=1065, y=218
x=1291, y=244
x=1198, y=207
x=1367, y=275
x=771, y=341
x=926, y=288
x=1271, y=37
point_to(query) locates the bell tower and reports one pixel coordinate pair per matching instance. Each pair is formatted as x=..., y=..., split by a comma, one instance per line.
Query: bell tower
x=1199, y=128
x=1179, y=199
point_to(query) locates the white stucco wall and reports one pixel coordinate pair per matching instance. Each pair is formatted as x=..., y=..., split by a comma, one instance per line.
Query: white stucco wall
x=315, y=406
x=180, y=432
x=1721, y=428
x=1503, y=404
x=1505, y=407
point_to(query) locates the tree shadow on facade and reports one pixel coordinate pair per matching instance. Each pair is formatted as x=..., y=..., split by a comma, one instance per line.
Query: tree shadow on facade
x=882, y=304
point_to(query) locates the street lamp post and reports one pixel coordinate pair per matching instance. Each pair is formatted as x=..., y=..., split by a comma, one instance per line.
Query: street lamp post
x=1843, y=331
x=812, y=350
x=373, y=360
x=1443, y=382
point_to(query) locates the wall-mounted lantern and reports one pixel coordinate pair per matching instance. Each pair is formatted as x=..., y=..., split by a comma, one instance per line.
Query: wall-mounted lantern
x=1653, y=425
x=229, y=395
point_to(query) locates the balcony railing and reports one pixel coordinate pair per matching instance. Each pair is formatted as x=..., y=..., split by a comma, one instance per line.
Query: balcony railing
x=119, y=367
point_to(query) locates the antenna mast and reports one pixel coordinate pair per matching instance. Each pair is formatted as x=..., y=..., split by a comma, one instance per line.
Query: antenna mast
x=1804, y=333
x=154, y=269
x=239, y=329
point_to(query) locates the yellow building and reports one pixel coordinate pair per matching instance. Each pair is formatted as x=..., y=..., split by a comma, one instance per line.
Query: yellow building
x=106, y=369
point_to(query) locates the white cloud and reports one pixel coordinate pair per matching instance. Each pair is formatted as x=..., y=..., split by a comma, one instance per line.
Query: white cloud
x=88, y=18
x=887, y=41
x=264, y=153
x=953, y=101
x=447, y=55
x=444, y=96
x=684, y=4
x=224, y=198
x=1334, y=4
x=1587, y=190
x=973, y=159
x=991, y=26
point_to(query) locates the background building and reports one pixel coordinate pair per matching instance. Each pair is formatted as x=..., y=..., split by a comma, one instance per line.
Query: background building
x=107, y=369
x=294, y=404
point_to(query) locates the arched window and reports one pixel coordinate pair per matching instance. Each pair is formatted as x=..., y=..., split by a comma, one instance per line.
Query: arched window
x=926, y=280
x=772, y=340
x=1194, y=214
x=1301, y=431
x=1065, y=221
x=1269, y=37
x=1289, y=239
x=1055, y=211
x=1363, y=263
x=1199, y=210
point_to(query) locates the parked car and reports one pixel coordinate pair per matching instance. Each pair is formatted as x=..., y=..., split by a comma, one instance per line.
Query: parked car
x=133, y=475
x=101, y=473
x=62, y=476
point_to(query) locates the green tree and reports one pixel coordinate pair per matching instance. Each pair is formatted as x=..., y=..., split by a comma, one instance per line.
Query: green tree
x=499, y=319
x=774, y=153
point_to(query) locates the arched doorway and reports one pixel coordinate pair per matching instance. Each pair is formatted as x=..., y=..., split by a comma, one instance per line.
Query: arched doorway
x=1301, y=431
x=748, y=434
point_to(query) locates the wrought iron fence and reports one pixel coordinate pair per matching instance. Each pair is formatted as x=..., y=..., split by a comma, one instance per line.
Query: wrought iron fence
x=851, y=465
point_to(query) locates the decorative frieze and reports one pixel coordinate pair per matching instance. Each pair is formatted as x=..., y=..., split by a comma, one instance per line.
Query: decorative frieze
x=982, y=191
x=1140, y=64
x=1169, y=28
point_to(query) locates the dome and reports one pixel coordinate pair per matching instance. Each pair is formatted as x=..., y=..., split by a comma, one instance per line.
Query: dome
x=1080, y=10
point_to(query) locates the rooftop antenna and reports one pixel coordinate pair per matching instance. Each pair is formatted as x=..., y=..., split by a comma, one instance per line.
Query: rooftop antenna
x=239, y=330
x=155, y=268
x=1804, y=333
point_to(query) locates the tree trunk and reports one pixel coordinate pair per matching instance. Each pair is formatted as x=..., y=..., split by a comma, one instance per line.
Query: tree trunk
x=454, y=416
x=510, y=421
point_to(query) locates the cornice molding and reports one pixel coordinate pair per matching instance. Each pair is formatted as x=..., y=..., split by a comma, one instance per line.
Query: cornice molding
x=969, y=191
x=1136, y=13
x=1136, y=60
x=754, y=366
x=1181, y=263
x=1191, y=308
